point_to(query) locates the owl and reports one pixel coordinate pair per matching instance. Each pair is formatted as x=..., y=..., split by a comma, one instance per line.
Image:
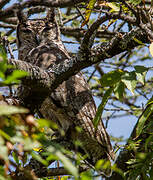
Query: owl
x=71, y=104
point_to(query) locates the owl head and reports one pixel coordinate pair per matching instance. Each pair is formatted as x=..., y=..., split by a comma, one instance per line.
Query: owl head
x=34, y=32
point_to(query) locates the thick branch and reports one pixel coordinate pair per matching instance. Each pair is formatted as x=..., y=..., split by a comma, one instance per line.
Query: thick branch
x=29, y=3
x=79, y=32
x=66, y=30
x=101, y=20
x=47, y=80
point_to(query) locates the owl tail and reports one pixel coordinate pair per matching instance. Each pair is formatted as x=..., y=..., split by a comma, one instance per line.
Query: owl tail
x=98, y=155
x=103, y=165
x=105, y=168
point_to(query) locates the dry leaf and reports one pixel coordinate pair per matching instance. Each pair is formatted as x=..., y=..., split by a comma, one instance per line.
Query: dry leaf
x=151, y=49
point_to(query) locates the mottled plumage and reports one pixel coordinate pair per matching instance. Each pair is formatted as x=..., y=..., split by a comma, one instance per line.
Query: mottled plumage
x=71, y=104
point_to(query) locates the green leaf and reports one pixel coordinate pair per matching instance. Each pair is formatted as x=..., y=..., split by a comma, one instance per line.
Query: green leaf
x=129, y=79
x=151, y=173
x=75, y=23
x=141, y=77
x=102, y=105
x=99, y=164
x=87, y=175
x=2, y=75
x=3, y=152
x=150, y=101
x=135, y=2
x=141, y=73
x=15, y=157
x=1, y=141
x=5, y=135
x=64, y=178
x=30, y=144
x=138, y=41
x=131, y=161
x=143, y=118
x=8, y=110
x=88, y=12
x=45, y=123
x=3, y=148
x=141, y=155
x=119, y=90
x=111, y=78
x=3, y=61
x=119, y=171
x=140, y=69
x=11, y=38
x=2, y=177
x=3, y=54
x=13, y=78
x=114, y=6
x=66, y=162
x=39, y=158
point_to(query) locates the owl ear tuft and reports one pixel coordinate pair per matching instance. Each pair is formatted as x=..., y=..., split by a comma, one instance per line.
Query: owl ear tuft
x=51, y=15
x=21, y=16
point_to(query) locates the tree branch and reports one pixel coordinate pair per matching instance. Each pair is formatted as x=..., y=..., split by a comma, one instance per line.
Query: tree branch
x=3, y=3
x=47, y=80
x=10, y=11
x=126, y=154
x=101, y=20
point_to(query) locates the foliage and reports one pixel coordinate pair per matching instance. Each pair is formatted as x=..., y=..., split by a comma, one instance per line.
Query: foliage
x=90, y=6
x=23, y=132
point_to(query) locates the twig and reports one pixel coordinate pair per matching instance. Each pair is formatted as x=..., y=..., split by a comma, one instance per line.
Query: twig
x=7, y=46
x=72, y=18
x=3, y=3
x=10, y=50
x=96, y=24
x=81, y=14
x=60, y=17
x=7, y=26
x=34, y=10
x=9, y=32
x=108, y=118
x=91, y=75
x=9, y=12
x=130, y=8
x=70, y=42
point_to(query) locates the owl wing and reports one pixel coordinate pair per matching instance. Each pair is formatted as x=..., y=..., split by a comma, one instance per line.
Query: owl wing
x=75, y=97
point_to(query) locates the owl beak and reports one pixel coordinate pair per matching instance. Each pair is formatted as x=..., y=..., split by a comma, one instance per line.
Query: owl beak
x=38, y=40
